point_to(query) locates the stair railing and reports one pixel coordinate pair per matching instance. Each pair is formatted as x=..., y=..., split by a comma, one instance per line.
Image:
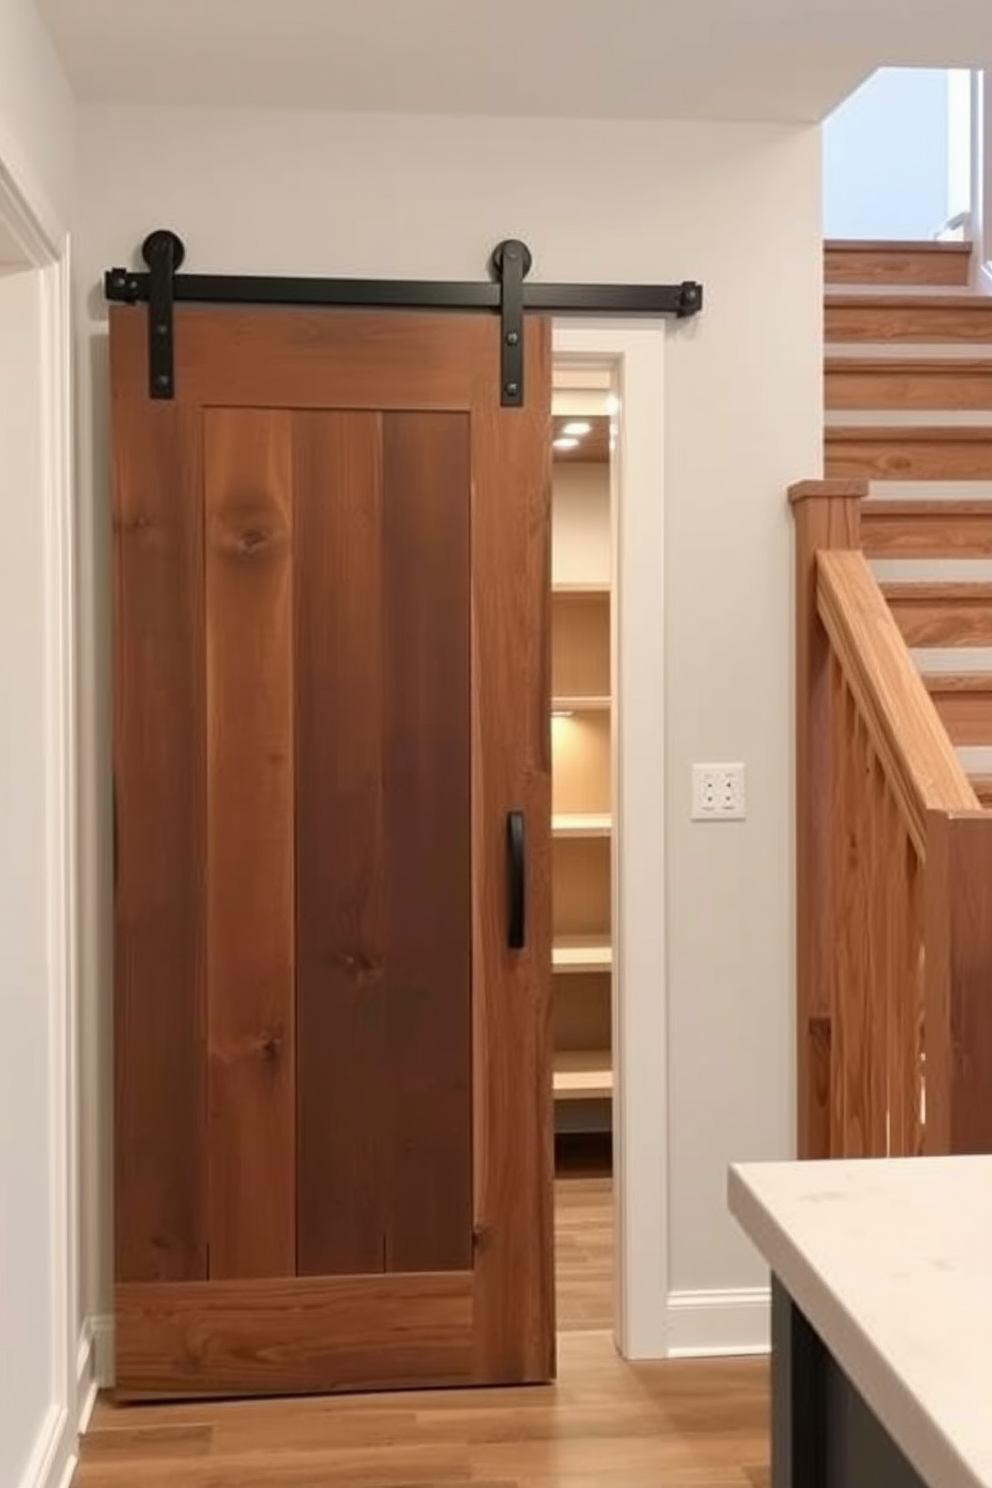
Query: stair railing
x=893, y=869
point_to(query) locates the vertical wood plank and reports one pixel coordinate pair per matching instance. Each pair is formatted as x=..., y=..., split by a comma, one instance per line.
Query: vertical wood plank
x=958, y=1005
x=511, y=583
x=827, y=515
x=159, y=1072
x=917, y=1008
x=250, y=891
x=838, y=953
x=902, y=950
x=343, y=1083
x=882, y=888
x=859, y=953
x=427, y=1175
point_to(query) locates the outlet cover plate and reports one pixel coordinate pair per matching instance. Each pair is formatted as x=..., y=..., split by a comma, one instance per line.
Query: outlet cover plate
x=718, y=792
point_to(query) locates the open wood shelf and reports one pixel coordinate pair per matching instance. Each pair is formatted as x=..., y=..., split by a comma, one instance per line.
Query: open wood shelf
x=577, y=953
x=580, y=704
x=582, y=806
x=582, y=824
x=583, y=1074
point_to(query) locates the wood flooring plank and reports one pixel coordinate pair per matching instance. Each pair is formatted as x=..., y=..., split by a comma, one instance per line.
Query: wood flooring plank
x=343, y=1092
x=159, y=773
x=250, y=843
x=427, y=1173
x=683, y=1424
x=333, y=1333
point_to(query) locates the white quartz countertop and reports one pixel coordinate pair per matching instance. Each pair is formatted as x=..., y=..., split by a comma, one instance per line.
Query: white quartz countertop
x=891, y=1262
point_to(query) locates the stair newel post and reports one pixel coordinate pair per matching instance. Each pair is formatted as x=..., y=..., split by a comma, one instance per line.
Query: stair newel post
x=827, y=514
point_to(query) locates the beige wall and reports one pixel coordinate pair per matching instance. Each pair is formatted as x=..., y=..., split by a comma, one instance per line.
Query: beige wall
x=738, y=208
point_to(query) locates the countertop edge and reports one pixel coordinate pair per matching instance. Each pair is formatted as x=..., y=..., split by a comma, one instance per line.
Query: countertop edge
x=909, y=1424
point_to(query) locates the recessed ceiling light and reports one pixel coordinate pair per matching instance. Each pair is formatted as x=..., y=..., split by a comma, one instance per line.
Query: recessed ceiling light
x=564, y=443
x=577, y=430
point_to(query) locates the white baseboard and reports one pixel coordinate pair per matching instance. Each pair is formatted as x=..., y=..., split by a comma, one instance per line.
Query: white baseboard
x=102, y=1332
x=53, y=1459
x=717, y=1323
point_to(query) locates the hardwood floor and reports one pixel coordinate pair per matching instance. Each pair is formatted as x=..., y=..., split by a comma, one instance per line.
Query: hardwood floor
x=583, y=1245
x=605, y=1424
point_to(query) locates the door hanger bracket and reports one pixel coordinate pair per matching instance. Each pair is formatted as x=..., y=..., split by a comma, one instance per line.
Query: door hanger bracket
x=511, y=263
x=163, y=252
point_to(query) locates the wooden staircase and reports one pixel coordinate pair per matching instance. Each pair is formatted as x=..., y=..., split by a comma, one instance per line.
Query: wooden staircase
x=908, y=391
x=893, y=554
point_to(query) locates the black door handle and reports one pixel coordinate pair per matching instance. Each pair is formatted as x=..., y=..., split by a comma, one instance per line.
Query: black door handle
x=516, y=880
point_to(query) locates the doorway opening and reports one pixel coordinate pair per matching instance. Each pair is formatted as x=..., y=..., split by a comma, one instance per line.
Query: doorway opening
x=584, y=412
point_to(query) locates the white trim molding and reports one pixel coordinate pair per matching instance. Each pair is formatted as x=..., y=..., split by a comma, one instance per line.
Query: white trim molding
x=634, y=353
x=702, y=1324
x=53, y=1460
x=46, y=253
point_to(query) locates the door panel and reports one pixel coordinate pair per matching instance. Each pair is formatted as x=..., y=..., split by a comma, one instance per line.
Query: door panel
x=427, y=1175
x=249, y=884
x=335, y=615
x=514, y=1160
x=384, y=928
x=159, y=848
x=298, y=1334
x=341, y=904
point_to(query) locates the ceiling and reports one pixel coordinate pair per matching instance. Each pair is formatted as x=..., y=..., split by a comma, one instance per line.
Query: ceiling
x=634, y=59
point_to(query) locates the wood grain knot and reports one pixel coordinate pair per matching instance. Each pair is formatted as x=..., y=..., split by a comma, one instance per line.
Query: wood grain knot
x=359, y=965
x=252, y=540
x=139, y=522
x=270, y=1047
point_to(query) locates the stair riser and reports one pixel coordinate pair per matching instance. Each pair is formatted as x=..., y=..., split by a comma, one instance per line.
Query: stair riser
x=937, y=622
x=925, y=534
x=851, y=454
x=966, y=717
x=854, y=263
x=854, y=387
x=982, y=786
x=908, y=322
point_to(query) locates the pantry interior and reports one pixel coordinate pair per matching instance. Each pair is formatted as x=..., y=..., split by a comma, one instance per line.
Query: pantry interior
x=583, y=840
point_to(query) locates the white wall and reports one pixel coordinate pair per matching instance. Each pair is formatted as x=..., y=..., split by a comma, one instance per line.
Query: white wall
x=886, y=157
x=282, y=193
x=37, y=116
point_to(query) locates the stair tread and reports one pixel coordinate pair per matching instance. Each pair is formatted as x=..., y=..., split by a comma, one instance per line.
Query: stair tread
x=911, y=433
x=890, y=365
x=940, y=506
x=896, y=299
x=896, y=245
x=966, y=682
x=930, y=589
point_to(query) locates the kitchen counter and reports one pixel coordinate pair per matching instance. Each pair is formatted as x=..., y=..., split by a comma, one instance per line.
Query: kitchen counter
x=881, y=1318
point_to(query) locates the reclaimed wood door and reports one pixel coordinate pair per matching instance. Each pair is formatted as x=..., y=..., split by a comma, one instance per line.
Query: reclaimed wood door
x=333, y=1164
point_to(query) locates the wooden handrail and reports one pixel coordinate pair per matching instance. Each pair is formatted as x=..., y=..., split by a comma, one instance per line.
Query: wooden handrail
x=912, y=745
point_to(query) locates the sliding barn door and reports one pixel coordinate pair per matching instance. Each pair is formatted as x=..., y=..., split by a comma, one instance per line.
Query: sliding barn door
x=332, y=819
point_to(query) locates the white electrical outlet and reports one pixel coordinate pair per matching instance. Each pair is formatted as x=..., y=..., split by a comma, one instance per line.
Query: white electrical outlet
x=718, y=793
